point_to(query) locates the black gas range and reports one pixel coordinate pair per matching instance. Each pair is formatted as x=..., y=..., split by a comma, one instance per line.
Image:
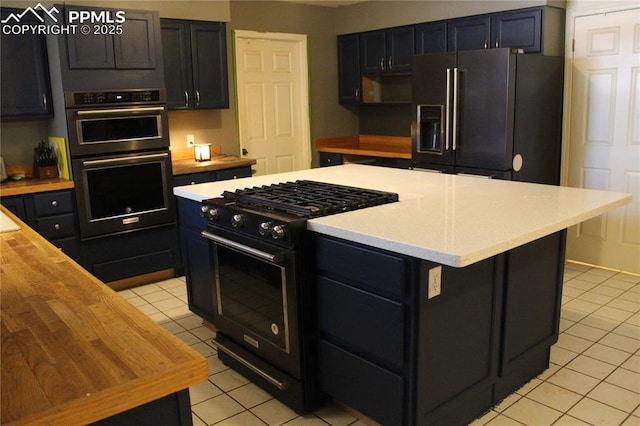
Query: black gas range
x=262, y=271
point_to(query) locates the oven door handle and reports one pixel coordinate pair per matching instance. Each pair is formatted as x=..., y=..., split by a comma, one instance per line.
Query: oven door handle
x=271, y=257
x=107, y=161
x=118, y=110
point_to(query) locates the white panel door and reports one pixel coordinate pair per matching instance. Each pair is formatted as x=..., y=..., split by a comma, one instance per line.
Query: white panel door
x=272, y=96
x=604, y=142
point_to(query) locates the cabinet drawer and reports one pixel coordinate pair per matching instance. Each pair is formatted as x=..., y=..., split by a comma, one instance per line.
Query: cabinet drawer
x=51, y=203
x=235, y=173
x=361, y=384
x=54, y=227
x=342, y=311
x=363, y=265
x=330, y=159
x=194, y=178
x=70, y=246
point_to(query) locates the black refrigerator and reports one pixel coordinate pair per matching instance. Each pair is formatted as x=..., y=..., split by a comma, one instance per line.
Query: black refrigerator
x=492, y=113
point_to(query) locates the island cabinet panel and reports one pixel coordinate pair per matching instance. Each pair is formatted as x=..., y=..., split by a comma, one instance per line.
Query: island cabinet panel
x=408, y=341
x=455, y=342
x=533, y=294
x=195, y=258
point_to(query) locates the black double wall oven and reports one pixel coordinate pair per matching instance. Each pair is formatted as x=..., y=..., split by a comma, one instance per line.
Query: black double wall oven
x=121, y=163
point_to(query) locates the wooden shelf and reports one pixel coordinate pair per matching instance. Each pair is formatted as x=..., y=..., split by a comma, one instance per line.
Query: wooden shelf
x=367, y=145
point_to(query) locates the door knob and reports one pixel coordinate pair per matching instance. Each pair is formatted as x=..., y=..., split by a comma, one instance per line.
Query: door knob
x=244, y=151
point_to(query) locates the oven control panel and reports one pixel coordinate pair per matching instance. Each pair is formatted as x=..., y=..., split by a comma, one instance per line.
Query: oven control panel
x=120, y=97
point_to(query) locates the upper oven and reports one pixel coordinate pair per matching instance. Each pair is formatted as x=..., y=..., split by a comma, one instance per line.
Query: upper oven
x=117, y=121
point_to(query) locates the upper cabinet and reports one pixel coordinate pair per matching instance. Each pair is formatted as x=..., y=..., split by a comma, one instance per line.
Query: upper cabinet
x=469, y=33
x=534, y=30
x=349, y=68
x=431, y=37
x=131, y=46
x=387, y=51
x=195, y=64
x=25, y=89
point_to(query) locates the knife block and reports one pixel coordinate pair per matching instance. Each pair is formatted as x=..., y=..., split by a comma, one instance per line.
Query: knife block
x=45, y=172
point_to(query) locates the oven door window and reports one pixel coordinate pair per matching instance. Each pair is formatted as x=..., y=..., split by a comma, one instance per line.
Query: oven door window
x=125, y=189
x=252, y=293
x=114, y=129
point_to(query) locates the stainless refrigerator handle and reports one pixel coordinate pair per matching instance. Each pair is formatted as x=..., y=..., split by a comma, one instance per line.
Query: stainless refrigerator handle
x=273, y=258
x=447, y=115
x=454, y=129
x=186, y=98
x=280, y=385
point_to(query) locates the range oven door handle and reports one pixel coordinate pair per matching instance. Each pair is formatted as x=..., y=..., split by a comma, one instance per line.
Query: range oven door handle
x=118, y=110
x=271, y=257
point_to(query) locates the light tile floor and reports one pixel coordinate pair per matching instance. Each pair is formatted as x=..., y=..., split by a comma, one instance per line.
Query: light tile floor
x=594, y=377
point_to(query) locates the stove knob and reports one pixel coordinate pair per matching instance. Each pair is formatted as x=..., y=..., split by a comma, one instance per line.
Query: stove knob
x=210, y=213
x=237, y=220
x=265, y=228
x=278, y=232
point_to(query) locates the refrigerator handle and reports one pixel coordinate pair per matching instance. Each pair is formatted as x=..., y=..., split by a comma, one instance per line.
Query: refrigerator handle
x=447, y=115
x=454, y=130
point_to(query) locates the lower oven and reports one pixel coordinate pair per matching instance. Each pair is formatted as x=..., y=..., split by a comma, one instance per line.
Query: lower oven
x=120, y=193
x=256, y=305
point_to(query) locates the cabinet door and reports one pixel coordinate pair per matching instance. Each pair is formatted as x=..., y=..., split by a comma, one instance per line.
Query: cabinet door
x=135, y=48
x=349, y=68
x=15, y=205
x=209, y=56
x=373, y=52
x=431, y=38
x=90, y=51
x=176, y=57
x=520, y=29
x=399, y=48
x=469, y=33
x=25, y=89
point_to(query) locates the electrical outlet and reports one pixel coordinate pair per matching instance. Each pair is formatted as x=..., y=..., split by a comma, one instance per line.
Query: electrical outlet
x=191, y=141
x=435, y=282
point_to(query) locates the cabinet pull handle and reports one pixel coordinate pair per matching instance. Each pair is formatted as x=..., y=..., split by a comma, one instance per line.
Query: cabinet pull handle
x=390, y=62
x=497, y=42
x=186, y=98
x=382, y=64
x=44, y=101
x=54, y=203
x=197, y=98
x=454, y=129
x=357, y=93
x=486, y=44
x=57, y=226
x=447, y=116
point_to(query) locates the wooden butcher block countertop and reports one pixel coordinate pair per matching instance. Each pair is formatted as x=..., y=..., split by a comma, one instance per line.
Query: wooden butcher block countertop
x=367, y=145
x=74, y=351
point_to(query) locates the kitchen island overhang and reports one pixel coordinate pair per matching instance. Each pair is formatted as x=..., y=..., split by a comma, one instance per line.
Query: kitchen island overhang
x=449, y=219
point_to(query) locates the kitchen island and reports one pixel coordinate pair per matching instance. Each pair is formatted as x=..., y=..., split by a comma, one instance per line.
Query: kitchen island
x=435, y=308
x=75, y=352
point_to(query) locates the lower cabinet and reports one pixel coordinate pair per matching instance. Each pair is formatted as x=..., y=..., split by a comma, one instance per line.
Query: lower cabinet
x=195, y=249
x=52, y=215
x=195, y=259
x=406, y=341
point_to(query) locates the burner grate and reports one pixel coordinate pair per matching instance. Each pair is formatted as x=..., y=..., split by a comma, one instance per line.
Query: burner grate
x=309, y=198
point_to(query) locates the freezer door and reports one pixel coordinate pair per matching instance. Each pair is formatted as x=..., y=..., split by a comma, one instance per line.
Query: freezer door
x=485, y=108
x=431, y=137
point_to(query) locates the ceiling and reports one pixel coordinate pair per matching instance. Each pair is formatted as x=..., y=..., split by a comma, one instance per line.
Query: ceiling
x=327, y=3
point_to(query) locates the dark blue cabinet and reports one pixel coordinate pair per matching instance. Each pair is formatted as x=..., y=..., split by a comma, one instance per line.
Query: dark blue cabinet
x=431, y=37
x=387, y=50
x=349, y=69
x=25, y=89
x=469, y=33
x=195, y=64
x=519, y=29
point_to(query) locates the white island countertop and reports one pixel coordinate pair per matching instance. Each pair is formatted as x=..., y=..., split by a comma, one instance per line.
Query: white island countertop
x=448, y=219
